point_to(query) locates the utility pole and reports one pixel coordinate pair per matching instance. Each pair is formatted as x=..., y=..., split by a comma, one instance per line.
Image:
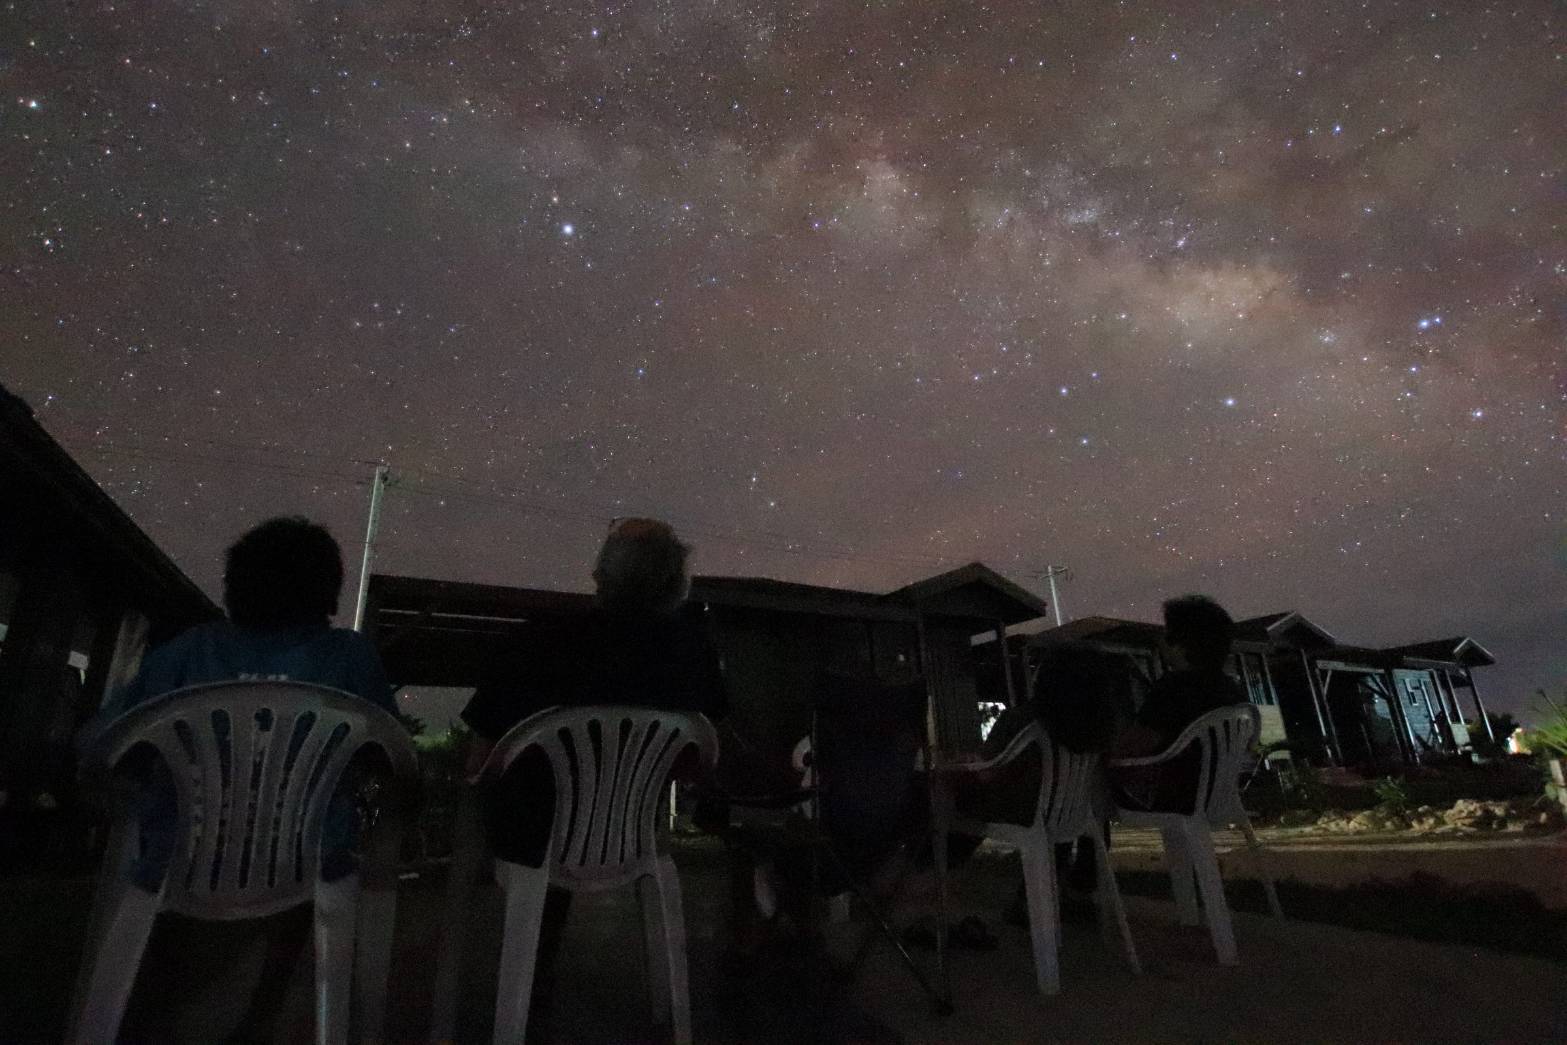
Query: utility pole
x=1051, y=573
x=377, y=487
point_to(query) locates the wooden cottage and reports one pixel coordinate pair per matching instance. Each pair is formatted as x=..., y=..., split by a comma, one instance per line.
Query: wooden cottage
x=776, y=639
x=83, y=591
x=1331, y=702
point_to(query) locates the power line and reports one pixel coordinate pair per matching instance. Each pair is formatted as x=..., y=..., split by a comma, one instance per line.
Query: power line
x=516, y=500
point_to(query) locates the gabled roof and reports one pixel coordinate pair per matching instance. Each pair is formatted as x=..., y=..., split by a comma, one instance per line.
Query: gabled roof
x=1107, y=631
x=74, y=506
x=1289, y=628
x=766, y=593
x=974, y=592
x=1460, y=650
x=398, y=598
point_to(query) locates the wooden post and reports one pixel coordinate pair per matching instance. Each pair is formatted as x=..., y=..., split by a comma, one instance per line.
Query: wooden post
x=1319, y=703
x=1006, y=664
x=96, y=687
x=34, y=665
x=1474, y=691
x=1425, y=695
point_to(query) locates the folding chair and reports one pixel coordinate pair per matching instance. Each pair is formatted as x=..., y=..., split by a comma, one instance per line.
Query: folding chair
x=860, y=801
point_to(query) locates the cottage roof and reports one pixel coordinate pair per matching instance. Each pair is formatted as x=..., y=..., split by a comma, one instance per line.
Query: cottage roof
x=1107, y=631
x=33, y=465
x=1286, y=628
x=766, y=593
x=1460, y=650
x=973, y=592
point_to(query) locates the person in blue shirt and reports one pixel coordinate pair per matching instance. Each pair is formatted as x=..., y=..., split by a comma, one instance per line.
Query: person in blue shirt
x=281, y=585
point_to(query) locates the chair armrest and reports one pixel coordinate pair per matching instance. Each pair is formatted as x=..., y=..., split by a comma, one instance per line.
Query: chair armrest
x=1149, y=760
x=959, y=769
x=1174, y=748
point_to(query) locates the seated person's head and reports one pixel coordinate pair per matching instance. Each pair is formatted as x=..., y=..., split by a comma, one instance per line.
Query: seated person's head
x=285, y=573
x=1198, y=633
x=1080, y=693
x=641, y=568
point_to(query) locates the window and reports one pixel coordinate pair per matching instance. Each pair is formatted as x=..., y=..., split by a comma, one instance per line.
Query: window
x=989, y=711
x=1249, y=670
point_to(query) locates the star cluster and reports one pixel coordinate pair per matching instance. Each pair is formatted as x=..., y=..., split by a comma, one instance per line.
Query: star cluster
x=1261, y=299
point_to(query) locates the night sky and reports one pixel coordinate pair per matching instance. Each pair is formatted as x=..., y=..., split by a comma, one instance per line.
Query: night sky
x=1262, y=300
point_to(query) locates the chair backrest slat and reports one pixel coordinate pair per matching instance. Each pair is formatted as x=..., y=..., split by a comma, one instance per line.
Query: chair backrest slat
x=610, y=764
x=238, y=798
x=292, y=860
x=266, y=844
x=1068, y=782
x=205, y=805
x=1224, y=739
x=254, y=765
x=624, y=799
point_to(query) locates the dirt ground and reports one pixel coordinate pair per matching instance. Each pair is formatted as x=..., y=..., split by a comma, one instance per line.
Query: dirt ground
x=1536, y=864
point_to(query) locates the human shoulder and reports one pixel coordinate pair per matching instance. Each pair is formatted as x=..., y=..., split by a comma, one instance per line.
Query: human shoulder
x=348, y=640
x=188, y=646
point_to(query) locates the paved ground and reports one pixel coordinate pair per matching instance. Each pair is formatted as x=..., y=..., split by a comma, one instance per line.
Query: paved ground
x=1298, y=981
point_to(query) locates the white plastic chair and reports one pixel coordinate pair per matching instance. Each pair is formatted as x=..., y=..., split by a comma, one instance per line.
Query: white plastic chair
x=1070, y=795
x=254, y=765
x=611, y=765
x=1223, y=739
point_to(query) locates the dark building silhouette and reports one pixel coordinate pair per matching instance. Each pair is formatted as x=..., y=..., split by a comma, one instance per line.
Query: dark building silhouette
x=83, y=592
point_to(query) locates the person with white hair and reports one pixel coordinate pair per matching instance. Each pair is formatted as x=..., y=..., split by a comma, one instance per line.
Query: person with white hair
x=634, y=647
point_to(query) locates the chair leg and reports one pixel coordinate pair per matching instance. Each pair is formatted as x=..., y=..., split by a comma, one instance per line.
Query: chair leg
x=1264, y=861
x=655, y=944
x=336, y=918
x=942, y=809
x=1182, y=885
x=124, y=919
x=1111, y=909
x=377, y=927
x=526, y=888
x=468, y=859
x=667, y=885
x=1043, y=916
x=1199, y=842
x=373, y=958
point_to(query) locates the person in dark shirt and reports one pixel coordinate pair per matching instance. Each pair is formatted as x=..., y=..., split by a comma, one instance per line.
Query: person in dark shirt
x=1198, y=636
x=635, y=647
x=1082, y=697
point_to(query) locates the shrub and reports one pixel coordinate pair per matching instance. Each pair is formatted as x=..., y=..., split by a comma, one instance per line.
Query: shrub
x=1550, y=737
x=1392, y=796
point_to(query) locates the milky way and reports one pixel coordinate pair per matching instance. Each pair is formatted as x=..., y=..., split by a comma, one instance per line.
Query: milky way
x=1263, y=300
